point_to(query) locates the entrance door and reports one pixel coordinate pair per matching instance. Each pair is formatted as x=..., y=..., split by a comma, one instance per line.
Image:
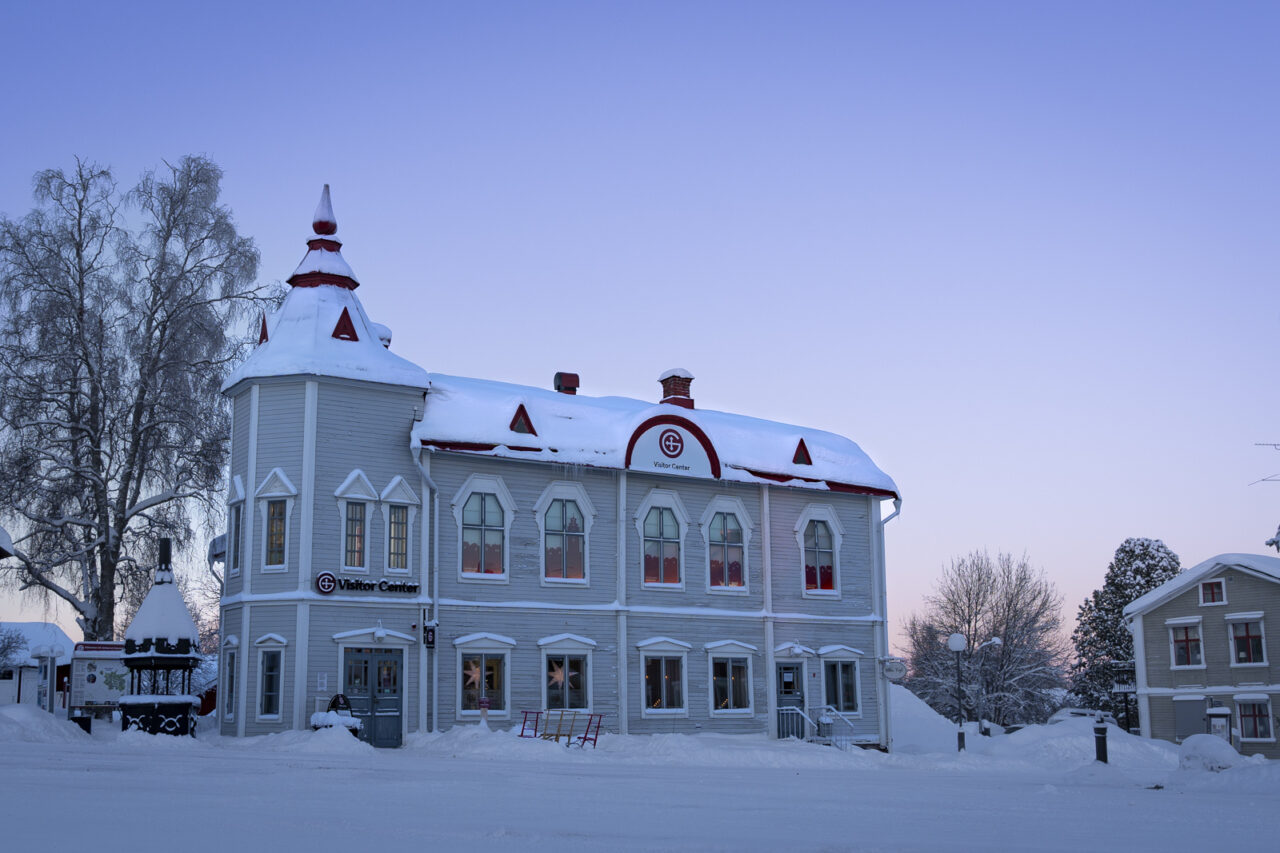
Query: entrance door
x=372, y=681
x=790, y=695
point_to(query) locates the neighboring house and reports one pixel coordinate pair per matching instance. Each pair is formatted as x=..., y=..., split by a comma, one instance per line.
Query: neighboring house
x=22, y=680
x=1204, y=658
x=438, y=548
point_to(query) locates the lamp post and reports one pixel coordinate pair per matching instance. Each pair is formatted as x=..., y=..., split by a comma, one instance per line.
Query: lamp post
x=994, y=641
x=957, y=643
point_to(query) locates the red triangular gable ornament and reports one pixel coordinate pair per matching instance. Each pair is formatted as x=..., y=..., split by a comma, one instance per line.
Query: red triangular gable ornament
x=345, y=330
x=262, y=334
x=802, y=455
x=521, y=423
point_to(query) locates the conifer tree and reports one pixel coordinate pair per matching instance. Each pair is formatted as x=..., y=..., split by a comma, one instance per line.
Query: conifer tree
x=1104, y=647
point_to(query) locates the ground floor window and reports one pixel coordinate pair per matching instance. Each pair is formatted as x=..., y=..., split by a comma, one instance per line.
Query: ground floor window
x=1255, y=720
x=730, y=684
x=269, y=665
x=842, y=685
x=664, y=683
x=566, y=682
x=228, y=698
x=484, y=677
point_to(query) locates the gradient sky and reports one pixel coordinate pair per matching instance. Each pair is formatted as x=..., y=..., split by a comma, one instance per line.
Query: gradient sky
x=1024, y=253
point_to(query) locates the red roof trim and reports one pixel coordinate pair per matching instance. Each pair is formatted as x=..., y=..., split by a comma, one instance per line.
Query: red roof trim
x=676, y=420
x=315, y=279
x=860, y=490
x=345, y=330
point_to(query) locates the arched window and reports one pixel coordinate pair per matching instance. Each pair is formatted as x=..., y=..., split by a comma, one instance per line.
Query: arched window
x=724, y=538
x=566, y=541
x=819, y=557
x=483, y=531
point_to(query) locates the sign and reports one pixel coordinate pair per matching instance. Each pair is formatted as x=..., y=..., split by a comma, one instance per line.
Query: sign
x=670, y=449
x=328, y=583
x=98, y=674
x=429, y=636
x=894, y=669
x=1124, y=688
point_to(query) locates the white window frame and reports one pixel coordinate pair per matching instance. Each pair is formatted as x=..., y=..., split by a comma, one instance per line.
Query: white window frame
x=735, y=507
x=1254, y=699
x=1200, y=592
x=670, y=500
x=268, y=644
x=665, y=647
x=1186, y=622
x=485, y=483
x=235, y=543
x=229, y=697
x=1253, y=616
x=356, y=489
x=276, y=486
x=487, y=644
x=568, y=491
x=731, y=650
x=827, y=513
x=841, y=654
x=398, y=493
x=562, y=645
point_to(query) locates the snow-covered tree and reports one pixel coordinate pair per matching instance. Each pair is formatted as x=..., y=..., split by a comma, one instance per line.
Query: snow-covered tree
x=1103, y=646
x=982, y=598
x=12, y=643
x=116, y=328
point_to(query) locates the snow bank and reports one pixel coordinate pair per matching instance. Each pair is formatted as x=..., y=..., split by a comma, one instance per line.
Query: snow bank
x=1070, y=744
x=917, y=728
x=1207, y=752
x=28, y=724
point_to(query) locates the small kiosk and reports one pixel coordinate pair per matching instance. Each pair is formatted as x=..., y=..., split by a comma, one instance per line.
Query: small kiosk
x=161, y=648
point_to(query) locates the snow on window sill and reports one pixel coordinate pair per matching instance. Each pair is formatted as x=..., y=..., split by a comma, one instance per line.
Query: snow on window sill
x=354, y=570
x=274, y=570
x=582, y=582
x=1248, y=665
x=482, y=577
x=666, y=712
x=742, y=713
x=728, y=590
x=666, y=587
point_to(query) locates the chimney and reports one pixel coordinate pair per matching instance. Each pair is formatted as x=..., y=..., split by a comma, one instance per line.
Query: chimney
x=675, y=387
x=566, y=383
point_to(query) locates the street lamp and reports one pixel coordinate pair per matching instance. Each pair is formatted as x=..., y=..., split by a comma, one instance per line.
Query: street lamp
x=994, y=641
x=957, y=643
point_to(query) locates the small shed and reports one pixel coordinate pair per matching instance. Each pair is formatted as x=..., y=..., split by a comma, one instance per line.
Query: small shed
x=161, y=649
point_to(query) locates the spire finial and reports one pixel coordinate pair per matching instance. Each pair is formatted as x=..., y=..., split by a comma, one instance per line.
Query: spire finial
x=325, y=222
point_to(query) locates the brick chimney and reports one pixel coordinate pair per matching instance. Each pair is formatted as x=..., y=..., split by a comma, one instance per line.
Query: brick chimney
x=675, y=387
x=566, y=383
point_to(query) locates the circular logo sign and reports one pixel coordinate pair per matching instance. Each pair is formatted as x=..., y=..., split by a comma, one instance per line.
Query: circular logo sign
x=326, y=582
x=895, y=670
x=671, y=443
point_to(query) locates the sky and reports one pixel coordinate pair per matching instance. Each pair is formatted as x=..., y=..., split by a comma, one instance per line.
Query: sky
x=1023, y=254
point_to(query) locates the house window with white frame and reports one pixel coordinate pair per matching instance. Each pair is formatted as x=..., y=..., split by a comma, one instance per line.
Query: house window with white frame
x=566, y=681
x=730, y=684
x=1247, y=645
x=270, y=666
x=661, y=546
x=228, y=697
x=664, y=682
x=819, y=557
x=484, y=676
x=236, y=534
x=398, y=537
x=354, y=548
x=840, y=681
x=277, y=514
x=399, y=505
x=1213, y=592
x=564, y=541
x=1255, y=719
x=725, y=542
x=1186, y=645
x=483, y=534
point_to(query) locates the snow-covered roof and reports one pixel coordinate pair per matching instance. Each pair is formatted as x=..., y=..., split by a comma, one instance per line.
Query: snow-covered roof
x=39, y=634
x=476, y=415
x=163, y=615
x=1257, y=563
x=321, y=328
x=6, y=544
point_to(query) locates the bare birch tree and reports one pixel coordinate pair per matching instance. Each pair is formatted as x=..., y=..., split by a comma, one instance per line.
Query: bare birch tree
x=116, y=331
x=982, y=598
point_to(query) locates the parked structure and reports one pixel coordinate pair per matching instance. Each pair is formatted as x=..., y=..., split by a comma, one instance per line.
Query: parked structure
x=436, y=547
x=1204, y=661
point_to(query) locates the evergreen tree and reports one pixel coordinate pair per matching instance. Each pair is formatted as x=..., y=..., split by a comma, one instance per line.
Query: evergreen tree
x=1104, y=647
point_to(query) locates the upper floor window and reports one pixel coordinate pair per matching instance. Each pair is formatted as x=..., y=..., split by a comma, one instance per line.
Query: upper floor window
x=661, y=546
x=725, y=541
x=276, y=521
x=565, y=541
x=275, y=498
x=398, y=537
x=237, y=533
x=484, y=509
x=354, y=498
x=1247, y=646
x=1213, y=592
x=818, y=533
x=355, y=536
x=1186, y=645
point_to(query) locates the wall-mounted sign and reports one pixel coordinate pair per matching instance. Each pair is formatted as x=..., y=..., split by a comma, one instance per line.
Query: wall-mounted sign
x=894, y=669
x=429, y=636
x=328, y=583
x=667, y=448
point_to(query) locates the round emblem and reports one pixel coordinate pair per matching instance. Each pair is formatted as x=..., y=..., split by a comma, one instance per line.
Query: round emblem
x=671, y=443
x=326, y=582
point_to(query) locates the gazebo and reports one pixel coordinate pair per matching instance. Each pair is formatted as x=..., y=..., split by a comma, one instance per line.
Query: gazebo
x=161, y=648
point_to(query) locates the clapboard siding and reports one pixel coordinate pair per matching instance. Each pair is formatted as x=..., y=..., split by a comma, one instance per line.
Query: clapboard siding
x=280, y=429
x=328, y=620
x=786, y=505
x=263, y=620
x=240, y=406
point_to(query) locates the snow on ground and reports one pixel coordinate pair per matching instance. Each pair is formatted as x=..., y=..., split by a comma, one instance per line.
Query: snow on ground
x=468, y=788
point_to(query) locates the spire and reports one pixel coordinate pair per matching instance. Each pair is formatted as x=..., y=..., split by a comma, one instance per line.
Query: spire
x=323, y=263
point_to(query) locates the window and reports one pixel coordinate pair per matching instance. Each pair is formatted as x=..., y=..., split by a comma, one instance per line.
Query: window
x=275, y=498
x=661, y=546
x=564, y=541
x=228, y=698
x=1213, y=592
x=1186, y=645
x=276, y=514
x=566, y=681
x=726, y=529
x=819, y=534
x=483, y=661
x=484, y=510
x=237, y=532
x=399, y=507
x=355, y=534
x=731, y=684
x=1246, y=642
x=6, y=675
x=1255, y=719
x=840, y=680
x=662, y=666
x=398, y=538
x=270, y=675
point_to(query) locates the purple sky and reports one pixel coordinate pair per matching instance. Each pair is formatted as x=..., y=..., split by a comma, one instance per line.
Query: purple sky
x=1024, y=254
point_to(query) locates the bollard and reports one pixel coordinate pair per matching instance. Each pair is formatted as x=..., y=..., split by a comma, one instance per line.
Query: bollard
x=1100, y=740
x=960, y=740
x=484, y=712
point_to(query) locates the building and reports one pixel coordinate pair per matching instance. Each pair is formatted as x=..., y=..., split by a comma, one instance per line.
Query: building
x=25, y=679
x=428, y=545
x=1203, y=660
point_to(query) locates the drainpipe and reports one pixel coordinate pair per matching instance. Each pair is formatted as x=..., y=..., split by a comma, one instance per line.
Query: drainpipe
x=883, y=631
x=433, y=495
x=766, y=569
